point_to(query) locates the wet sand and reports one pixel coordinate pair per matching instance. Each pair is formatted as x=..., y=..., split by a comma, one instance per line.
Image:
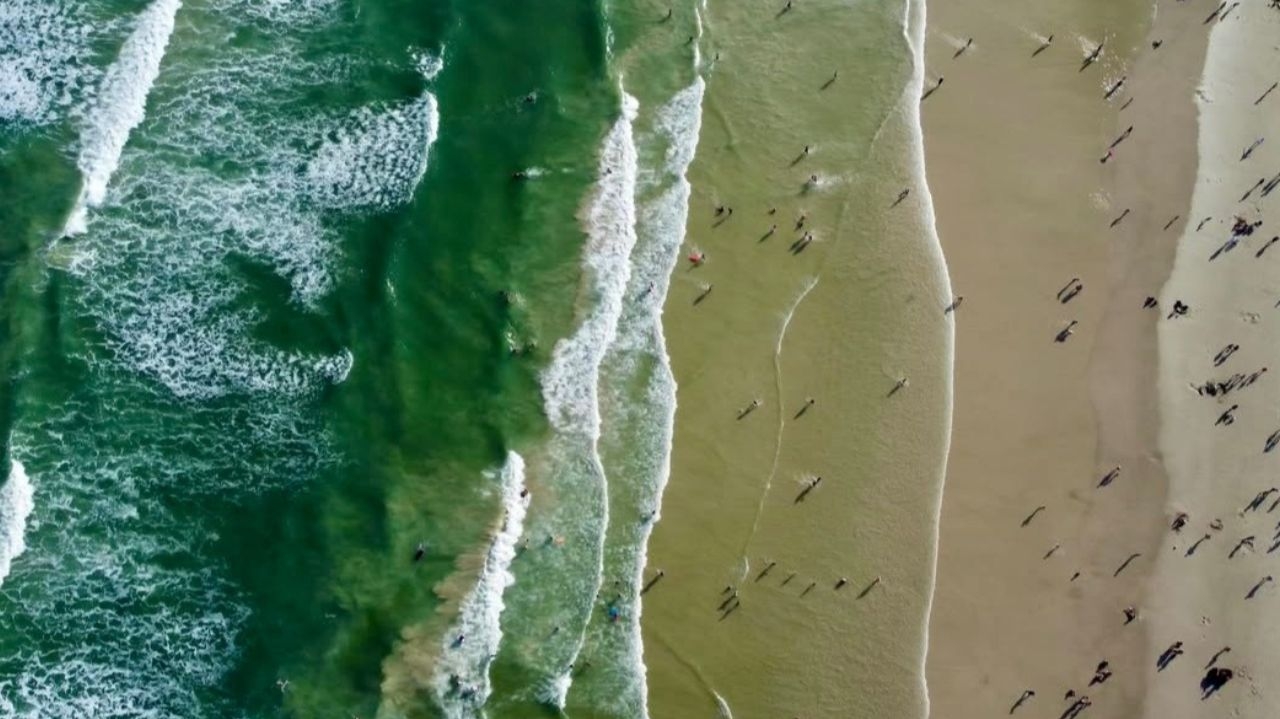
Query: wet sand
x=839, y=320
x=1024, y=206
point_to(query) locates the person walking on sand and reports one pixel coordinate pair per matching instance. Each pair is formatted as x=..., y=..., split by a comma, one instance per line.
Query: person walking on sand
x=1075, y=709
x=933, y=89
x=1026, y=694
x=1167, y=656
x=1214, y=659
x=1066, y=332
x=1258, y=587
x=1070, y=283
x=1102, y=673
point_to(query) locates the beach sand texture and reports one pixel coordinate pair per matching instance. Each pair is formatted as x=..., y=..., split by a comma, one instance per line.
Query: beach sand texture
x=840, y=320
x=1217, y=468
x=1026, y=204
x=1027, y=209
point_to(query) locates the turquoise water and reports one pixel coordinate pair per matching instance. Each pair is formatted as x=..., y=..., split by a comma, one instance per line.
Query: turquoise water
x=277, y=314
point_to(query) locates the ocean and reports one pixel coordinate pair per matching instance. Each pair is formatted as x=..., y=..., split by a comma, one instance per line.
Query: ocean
x=289, y=288
x=335, y=380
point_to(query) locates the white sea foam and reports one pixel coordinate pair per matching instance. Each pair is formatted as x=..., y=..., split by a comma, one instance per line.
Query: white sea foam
x=284, y=12
x=664, y=221
x=429, y=65
x=914, y=24
x=637, y=403
x=722, y=707
x=157, y=269
x=124, y=633
x=461, y=680
x=377, y=157
x=137, y=619
x=44, y=48
x=17, y=499
x=570, y=385
x=120, y=106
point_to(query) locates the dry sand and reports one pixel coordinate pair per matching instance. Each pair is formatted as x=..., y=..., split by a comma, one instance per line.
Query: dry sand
x=841, y=322
x=1215, y=471
x=1025, y=205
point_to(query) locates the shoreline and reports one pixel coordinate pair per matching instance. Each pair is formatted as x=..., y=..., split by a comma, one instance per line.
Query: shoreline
x=1037, y=421
x=916, y=39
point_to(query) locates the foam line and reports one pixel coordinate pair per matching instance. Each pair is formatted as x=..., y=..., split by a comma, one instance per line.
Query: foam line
x=121, y=105
x=571, y=385
x=681, y=121
x=461, y=680
x=17, y=499
x=913, y=29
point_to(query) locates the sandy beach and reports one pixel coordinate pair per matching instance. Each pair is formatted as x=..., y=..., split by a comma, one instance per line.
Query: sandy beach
x=796, y=359
x=1042, y=546
x=1219, y=446
x=797, y=539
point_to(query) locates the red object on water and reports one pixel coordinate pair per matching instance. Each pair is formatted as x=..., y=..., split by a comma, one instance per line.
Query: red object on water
x=697, y=258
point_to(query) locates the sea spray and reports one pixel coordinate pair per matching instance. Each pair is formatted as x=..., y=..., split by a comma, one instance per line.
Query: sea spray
x=639, y=402
x=16, y=502
x=461, y=680
x=120, y=106
x=570, y=389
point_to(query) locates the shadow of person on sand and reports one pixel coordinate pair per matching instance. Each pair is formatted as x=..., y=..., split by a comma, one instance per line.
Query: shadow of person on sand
x=1214, y=680
x=1167, y=656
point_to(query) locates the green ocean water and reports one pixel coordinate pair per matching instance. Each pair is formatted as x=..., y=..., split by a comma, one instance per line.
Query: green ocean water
x=300, y=333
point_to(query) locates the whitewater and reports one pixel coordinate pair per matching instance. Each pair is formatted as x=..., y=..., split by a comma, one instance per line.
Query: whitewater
x=571, y=384
x=178, y=410
x=638, y=401
x=914, y=26
x=461, y=680
x=17, y=499
x=120, y=106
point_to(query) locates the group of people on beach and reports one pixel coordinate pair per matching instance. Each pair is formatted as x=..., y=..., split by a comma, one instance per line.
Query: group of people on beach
x=1214, y=677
